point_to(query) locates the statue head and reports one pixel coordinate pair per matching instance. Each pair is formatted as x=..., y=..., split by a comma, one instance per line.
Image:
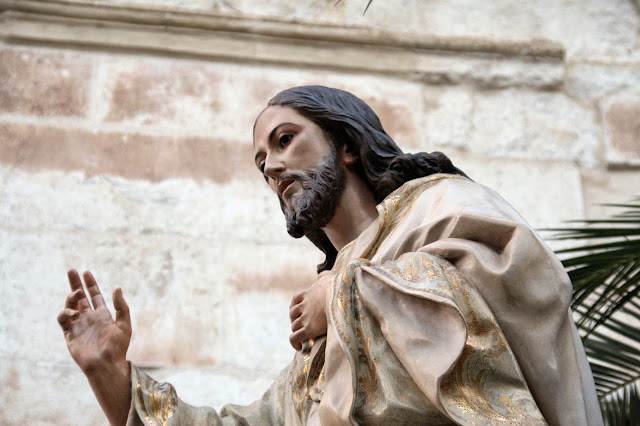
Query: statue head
x=348, y=122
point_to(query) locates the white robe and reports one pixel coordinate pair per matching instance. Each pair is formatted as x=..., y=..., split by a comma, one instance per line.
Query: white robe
x=447, y=309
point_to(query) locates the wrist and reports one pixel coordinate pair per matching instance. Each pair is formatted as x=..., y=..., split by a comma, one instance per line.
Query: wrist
x=109, y=369
x=111, y=384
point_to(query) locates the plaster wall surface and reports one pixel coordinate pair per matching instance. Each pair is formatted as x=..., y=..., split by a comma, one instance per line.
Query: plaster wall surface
x=138, y=166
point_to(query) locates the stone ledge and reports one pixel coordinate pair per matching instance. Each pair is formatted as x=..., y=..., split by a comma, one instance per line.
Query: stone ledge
x=432, y=59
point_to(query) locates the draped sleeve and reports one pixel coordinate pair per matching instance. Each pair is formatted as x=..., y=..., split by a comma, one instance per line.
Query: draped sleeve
x=439, y=329
x=473, y=303
x=157, y=404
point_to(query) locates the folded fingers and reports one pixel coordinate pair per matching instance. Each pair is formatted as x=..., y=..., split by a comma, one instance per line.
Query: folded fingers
x=297, y=324
x=297, y=298
x=295, y=311
x=73, y=298
x=296, y=339
x=65, y=316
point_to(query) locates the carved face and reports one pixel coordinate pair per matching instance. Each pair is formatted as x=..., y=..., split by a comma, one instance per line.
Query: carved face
x=301, y=166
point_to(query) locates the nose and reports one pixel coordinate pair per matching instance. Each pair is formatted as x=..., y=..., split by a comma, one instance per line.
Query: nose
x=273, y=165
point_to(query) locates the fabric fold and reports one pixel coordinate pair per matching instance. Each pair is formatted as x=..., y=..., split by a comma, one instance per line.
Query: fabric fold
x=448, y=309
x=443, y=335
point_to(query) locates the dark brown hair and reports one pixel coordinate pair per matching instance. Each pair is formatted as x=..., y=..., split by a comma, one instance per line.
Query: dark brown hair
x=348, y=120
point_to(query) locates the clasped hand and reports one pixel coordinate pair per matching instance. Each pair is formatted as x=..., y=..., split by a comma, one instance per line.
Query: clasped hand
x=307, y=311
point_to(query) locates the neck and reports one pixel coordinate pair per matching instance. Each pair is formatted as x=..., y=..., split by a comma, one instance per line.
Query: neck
x=355, y=212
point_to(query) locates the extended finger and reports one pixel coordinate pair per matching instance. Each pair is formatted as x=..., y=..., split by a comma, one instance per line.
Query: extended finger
x=74, y=279
x=73, y=298
x=94, y=290
x=64, y=316
x=123, y=318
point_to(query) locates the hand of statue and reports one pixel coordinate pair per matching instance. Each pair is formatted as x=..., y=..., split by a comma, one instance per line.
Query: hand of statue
x=92, y=336
x=307, y=311
x=98, y=344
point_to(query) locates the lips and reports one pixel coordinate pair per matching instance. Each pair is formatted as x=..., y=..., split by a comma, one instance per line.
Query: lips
x=284, y=185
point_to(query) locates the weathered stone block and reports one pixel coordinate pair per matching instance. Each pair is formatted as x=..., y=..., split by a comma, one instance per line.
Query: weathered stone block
x=588, y=28
x=588, y=82
x=46, y=392
x=160, y=92
x=608, y=187
x=169, y=4
x=524, y=124
x=44, y=83
x=132, y=156
x=545, y=193
x=447, y=118
x=223, y=100
x=596, y=28
x=243, y=210
x=188, y=97
x=621, y=116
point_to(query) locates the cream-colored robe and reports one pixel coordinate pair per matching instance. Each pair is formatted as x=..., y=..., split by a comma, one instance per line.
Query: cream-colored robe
x=447, y=309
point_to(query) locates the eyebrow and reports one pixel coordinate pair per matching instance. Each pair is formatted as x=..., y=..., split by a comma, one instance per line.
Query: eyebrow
x=271, y=135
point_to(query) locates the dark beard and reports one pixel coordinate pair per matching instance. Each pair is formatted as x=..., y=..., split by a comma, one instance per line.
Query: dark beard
x=316, y=203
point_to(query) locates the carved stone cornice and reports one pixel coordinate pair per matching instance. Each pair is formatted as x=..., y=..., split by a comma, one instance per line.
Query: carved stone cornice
x=538, y=63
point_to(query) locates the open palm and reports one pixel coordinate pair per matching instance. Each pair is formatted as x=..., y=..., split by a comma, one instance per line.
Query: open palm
x=91, y=333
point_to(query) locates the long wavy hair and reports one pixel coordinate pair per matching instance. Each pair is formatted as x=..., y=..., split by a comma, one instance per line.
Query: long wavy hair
x=347, y=120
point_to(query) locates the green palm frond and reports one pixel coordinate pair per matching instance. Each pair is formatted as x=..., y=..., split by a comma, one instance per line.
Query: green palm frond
x=622, y=407
x=605, y=273
x=367, y=7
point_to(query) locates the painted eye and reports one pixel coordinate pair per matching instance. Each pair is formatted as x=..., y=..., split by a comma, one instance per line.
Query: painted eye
x=285, y=139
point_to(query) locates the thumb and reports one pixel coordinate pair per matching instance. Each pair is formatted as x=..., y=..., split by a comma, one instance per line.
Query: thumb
x=123, y=320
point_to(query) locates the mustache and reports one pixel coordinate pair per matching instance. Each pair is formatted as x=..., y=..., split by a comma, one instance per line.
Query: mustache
x=314, y=179
x=298, y=176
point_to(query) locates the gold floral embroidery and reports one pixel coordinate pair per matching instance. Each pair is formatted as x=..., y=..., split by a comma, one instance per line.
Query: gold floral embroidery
x=396, y=206
x=141, y=403
x=162, y=402
x=308, y=373
x=486, y=385
x=471, y=392
x=157, y=401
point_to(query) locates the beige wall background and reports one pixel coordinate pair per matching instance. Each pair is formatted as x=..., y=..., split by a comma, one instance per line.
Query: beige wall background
x=125, y=148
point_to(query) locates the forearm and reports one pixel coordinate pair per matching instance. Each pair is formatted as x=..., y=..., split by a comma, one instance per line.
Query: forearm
x=158, y=403
x=111, y=384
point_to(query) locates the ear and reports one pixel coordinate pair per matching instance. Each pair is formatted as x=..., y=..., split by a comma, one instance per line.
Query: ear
x=349, y=156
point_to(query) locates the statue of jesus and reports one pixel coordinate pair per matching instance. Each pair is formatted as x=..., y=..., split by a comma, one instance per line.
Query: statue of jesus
x=436, y=303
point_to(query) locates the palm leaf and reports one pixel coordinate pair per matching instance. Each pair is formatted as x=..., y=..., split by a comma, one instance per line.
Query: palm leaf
x=605, y=272
x=365, y=9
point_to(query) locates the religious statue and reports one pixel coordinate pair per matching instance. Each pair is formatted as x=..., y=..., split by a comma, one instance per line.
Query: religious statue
x=436, y=303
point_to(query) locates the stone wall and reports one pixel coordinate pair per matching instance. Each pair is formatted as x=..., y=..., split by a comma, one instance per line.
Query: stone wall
x=125, y=148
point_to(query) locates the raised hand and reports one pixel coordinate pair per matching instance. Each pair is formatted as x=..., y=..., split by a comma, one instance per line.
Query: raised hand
x=98, y=344
x=91, y=333
x=307, y=311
